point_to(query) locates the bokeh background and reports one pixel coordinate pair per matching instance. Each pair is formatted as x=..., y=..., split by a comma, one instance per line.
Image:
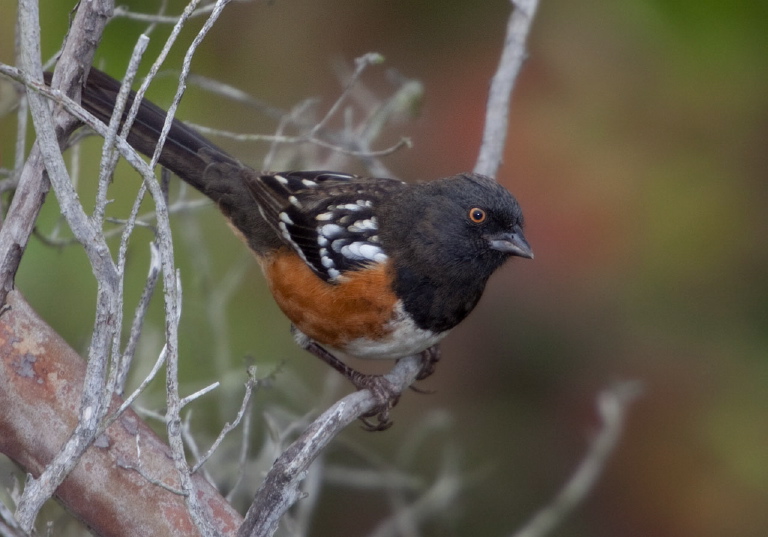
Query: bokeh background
x=637, y=149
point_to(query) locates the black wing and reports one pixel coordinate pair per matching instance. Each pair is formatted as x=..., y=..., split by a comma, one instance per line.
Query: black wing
x=329, y=218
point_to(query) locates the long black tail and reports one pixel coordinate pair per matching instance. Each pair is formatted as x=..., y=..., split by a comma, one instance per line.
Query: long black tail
x=182, y=150
x=190, y=156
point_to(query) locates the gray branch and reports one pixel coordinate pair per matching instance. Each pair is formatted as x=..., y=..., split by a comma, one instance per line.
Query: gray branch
x=612, y=404
x=497, y=110
x=75, y=59
x=280, y=489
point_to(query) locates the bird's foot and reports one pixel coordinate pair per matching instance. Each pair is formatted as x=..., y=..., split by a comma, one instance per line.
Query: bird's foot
x=429, y=359
x=386, y=395
x=383, y=391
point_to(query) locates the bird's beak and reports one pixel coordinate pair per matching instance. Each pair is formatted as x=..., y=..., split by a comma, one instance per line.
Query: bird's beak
x=512, y=243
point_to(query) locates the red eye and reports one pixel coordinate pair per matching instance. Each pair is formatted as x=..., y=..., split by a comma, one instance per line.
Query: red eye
x=477, y=215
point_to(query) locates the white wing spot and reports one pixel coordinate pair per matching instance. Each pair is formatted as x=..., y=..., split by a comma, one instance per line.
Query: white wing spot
x=281, y=179
x=327, y=261
x=351, y=206
x=349, y=250
x=363, y=250
x=286, y=233
x=362, y=225
x=338, y=245
x=370, y=251
x=285, y=218
x=307, y=182
x=331, y=231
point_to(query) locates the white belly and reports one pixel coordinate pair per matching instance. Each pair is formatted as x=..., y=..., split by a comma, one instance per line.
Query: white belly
x=404, y=338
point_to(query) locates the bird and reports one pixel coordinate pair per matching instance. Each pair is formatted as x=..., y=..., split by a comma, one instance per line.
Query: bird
x=367, y=267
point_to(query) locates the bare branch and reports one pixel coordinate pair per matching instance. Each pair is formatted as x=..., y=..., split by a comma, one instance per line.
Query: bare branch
x=109, y=153
x=124, y=12
x=124, y=365
x=108, y=293
x=199, y=393
x=21, y=136
x=236, y=95
x=372, y=58
x=129, y=401
x=249, y=386
x=404, y=142
x=280, y=489
x=76, y=57
x=173, y=298
x=497, y=110
x=41, y=382
x=612, y=404
x=433, y=501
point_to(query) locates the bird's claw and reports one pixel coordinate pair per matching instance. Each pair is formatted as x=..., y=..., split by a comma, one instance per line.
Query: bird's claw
x=386, y=395
x=429, y=359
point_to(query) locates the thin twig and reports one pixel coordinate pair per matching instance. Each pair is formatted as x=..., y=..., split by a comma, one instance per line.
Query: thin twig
x=296, y=111
x=249, y=386
x=612, y=404
x=8, y=525
x=21, y=135
x=109, y=153
x=237, y=95
x=280, y=489
x=119, y=371
x=372, y=58
x=242, y=459
x=140, y=470
x=302, y=139
x=124, y=365
x=497, y=110
x=443, y=492
x=404, y=142
x=173, y=296
x=199, y=393
x=125, y=13
x=135, y=394
x=154, y=24
x=191, y=442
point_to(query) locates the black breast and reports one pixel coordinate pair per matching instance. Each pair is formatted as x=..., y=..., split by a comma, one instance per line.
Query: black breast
x=435, y=303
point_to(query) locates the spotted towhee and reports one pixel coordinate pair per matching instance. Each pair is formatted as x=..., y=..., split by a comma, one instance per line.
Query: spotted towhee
x=367, y=267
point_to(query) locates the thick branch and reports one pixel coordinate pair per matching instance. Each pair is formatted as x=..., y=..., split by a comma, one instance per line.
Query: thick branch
x=41, y=380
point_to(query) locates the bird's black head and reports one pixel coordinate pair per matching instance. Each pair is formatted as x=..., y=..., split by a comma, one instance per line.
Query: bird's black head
x=482, y=213
x=447, y=237
x=465, y=223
